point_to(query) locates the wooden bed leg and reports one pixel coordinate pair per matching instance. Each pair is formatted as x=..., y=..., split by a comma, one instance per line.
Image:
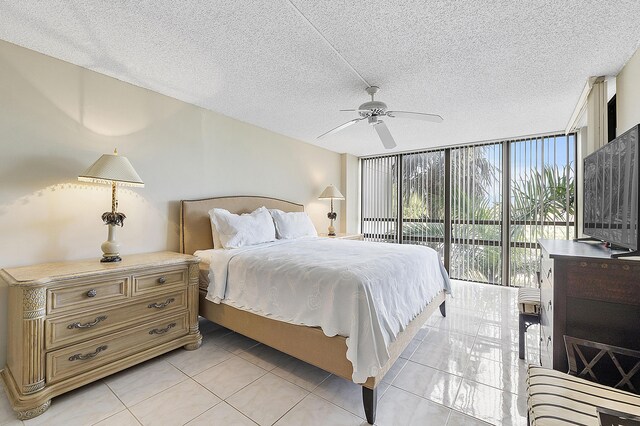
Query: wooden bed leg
x=370, y=401
x=443, y=309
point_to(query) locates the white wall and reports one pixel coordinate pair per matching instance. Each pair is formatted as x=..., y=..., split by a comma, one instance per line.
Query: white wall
x=628, y=95
x=350, y=188
x=56, y=119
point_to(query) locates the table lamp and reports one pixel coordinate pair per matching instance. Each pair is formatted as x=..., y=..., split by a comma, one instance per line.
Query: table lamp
x=331, y=193
x=115, y=170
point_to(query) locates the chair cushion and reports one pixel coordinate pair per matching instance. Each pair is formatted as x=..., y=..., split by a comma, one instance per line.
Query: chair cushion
x=529, y=300
x=556, y=398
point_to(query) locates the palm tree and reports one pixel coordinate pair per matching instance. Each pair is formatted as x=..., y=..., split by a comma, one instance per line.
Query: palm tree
x=542, y=196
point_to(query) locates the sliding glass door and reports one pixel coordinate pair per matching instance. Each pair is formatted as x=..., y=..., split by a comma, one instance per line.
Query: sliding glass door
x=476, y=213
x=482, y=207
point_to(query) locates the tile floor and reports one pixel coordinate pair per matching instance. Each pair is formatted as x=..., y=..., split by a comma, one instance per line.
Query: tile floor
x=459, y=370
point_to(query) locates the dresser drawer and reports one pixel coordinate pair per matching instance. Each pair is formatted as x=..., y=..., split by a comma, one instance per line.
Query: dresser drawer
x=591, y=279
x=75, y=328
x=83, y=294
x=77, y=359
x=160, y=280
x=546, y=272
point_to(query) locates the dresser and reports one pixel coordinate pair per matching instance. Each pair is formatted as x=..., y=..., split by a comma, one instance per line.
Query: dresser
x=586, y=294
x=72, y=323
x=343, y=236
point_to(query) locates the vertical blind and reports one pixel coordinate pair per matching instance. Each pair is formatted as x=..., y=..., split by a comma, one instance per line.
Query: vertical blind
x=485, y=221
x=542, y=200
x=380, y=199
x=423, y=199
x=476, y=213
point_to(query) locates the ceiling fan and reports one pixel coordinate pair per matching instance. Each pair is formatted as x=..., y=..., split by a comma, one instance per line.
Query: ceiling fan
x=373, y=111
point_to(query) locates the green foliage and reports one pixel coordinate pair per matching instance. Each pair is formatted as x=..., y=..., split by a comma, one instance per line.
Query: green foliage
x=542, y=195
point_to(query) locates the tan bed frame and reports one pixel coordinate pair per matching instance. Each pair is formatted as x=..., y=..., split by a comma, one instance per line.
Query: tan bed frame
x=308, y=344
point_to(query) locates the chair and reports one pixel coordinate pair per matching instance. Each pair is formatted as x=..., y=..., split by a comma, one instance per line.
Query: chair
x=556, y=398
x=529, y=307
x=619, y=367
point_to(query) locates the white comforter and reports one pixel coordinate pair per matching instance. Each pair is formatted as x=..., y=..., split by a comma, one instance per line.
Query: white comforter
x=367, y=292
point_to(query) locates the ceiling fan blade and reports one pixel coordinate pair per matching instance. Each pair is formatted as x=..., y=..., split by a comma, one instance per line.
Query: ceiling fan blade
x=340, y=127
x=385, y=135
x=356, y=110
x=434, y=118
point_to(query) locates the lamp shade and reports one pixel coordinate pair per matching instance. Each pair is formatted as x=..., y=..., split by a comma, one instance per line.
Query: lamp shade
x=331, y=193
x=112, y=168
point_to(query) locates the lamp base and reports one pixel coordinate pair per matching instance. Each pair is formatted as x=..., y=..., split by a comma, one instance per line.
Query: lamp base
x=111, y=247
x=332, y=231
x=110, y=259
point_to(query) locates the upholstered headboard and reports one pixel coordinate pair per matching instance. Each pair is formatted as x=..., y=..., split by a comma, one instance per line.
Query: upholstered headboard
x=195, y=227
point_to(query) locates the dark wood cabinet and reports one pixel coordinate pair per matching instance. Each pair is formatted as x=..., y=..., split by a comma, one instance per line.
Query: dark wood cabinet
x=586, y=294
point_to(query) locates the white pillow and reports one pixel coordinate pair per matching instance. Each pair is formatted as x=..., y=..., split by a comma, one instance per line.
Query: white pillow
x=243, y=230
x=293, y=224
x=217, y=244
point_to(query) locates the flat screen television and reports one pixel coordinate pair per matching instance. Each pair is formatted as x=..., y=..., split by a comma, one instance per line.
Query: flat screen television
x=610, y=196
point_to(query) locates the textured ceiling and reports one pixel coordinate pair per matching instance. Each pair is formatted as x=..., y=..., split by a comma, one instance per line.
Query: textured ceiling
x=492, y=69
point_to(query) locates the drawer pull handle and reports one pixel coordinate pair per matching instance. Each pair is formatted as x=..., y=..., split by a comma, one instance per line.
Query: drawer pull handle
x=162, y=330
x=549, y=304
x=87, y=325
x=162, y=280
x=161, y=305
x=92, y=293
x=89, y=355
x=549, y=273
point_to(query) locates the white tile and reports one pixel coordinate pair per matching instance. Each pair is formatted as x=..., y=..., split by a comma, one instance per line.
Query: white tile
x=138, y=383
x=346, y=394
x=491, y=404
x=452, y=361
x=86, y=405
x=7, y=415
x=300, y=373
x=223, y=415
x=229, y=377
x=123, y=418
x=507, y=376
x=315, y=411
x=422, y=333
x=264, y=356
x=410, y=349
x=429, y=383
x=456, y=418
x=458, y=320
x=464, y=300
x=394, y=370
x=205, y=326
x=495, y=350
x=194, y=362
x=498, y=331
x=267, y=399
x=177, y=405
x=448, y=340
x=401, y=408
x=232, y=342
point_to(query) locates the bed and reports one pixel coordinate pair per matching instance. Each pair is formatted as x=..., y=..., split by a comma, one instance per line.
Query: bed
x=307, y=343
